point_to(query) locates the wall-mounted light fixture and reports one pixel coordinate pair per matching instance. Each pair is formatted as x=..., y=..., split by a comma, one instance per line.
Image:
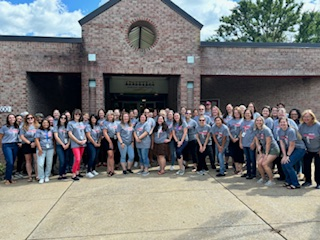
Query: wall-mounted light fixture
x=92, y=83
x=92, y=57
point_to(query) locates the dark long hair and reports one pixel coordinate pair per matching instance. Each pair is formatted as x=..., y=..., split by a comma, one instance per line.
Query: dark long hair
x=41, y=127
x=90, y=122
x=164, y=125
x=59, y=123
x=15, y=123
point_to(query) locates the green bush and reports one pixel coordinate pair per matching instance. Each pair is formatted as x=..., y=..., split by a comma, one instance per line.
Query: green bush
x=2, y=169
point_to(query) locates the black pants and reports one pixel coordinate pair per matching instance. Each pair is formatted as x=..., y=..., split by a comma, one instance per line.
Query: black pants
x=307, y=160
x=21, y=166
x=202, y=158
x=192, y=149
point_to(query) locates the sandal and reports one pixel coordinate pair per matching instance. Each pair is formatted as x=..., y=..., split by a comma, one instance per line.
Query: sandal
x=7, y=182
x=161, y=172
x=291, y=187
x=30, y=179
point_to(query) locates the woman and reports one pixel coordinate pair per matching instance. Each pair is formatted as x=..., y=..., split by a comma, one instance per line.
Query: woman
x=228, y=114
x=247, y=144
x=45, y=150
x=62, y=145
x=76, y=132
x=267, y=148
x=191, y=147
x=295, y=115
x=143, y=141
x=293, y=149
x=268, y=121
x=9, y=139
x=160, y=138
x=204, y=141
x=125, y=143
x=234, y=133
x=180, y=136
x=102, y=154
x=220, y=135
x=110, y=145
x=93, y=134
x=253, y=109
x=215, y=112
x=172, y=156
x=27, y=135
x=310, y=132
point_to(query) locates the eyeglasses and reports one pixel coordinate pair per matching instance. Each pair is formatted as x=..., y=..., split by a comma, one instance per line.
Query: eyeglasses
x=79, y=114
x=201, y=120
x=28, y=118
x=201, y=109
x=63, y=118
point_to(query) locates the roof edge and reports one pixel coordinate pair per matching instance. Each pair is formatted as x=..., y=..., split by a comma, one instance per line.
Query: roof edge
x=182, y=13
x=259, y=45
x=98, y=11
x=4, y=38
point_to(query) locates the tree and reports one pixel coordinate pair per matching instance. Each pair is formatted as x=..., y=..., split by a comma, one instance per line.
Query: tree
x=309, y=28
x=259, y=21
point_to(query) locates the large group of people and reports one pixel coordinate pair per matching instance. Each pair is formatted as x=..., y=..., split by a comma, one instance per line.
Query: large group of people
x=268, y=141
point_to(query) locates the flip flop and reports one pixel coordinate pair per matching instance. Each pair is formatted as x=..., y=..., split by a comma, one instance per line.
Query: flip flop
x=292, y=187
x=161, y=173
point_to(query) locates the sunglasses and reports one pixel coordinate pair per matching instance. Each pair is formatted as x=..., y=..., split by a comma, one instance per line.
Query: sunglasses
x=28, y=118
x=201, y=109
x=77, y=114
x=201, y=120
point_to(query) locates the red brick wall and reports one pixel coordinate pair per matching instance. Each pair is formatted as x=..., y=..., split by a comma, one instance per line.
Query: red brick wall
x=106, y=36
x=18, y=58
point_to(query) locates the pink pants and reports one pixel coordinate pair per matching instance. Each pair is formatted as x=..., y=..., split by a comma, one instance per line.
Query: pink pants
x=77, y=152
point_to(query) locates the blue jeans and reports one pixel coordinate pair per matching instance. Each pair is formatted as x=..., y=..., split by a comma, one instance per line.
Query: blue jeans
x=63, y=156
x=220, y=157
x=288, y=168
x=143, y=156
x=46, y=157
x=93, y=153
x=172, y=152
x=179, y=150
x=10, y=151
x=251, y=161
x=123, y=152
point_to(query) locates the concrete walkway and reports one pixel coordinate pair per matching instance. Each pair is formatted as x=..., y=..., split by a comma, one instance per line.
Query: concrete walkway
x=158, y=207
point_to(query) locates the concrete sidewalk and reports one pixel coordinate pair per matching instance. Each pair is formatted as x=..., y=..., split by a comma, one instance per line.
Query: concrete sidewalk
x=158, y=207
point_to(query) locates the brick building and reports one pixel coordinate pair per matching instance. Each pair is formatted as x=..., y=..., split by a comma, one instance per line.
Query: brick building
x=143, y=53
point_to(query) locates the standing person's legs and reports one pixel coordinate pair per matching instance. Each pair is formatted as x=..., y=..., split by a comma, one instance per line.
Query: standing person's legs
x=172, y=152
x=49, y=160
x=307, y=160
x=10, y=151
x=145, y=159
x=40, y=166
x=130, y=151
x=220, y=157
x=288, y=168
x=91, y=156
x=317, y=169
x=62, y=160
x=123, y=155
x=77, y=159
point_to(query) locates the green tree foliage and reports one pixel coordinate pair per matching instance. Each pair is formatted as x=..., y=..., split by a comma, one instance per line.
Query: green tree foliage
x=309, y=28
x=259, y=21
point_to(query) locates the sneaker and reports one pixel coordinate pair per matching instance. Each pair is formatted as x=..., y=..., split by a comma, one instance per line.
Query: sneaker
x=306, y=184
x=64, y=178
x=261, y=181
x=60, y=178
x=318, y=186
x=89, y=175
x=75, y=178
x=171, y=168
x=129, y=171
x=79, y=175
x=270, y=183
x=180, y=172
x=41, y=181
x=124, y=172
x=201, y=172
x=249, y=177
x=94, y=172
x=46, y=179
x=135, y=164
x=220, y=175
x=140, y=171
x=145, y=174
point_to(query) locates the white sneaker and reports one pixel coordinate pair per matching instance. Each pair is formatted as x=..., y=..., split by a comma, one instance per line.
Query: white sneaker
x=270, y=183
x=202, y=172
x=94, y=172
x=261, y=181
x=89, y=175
x=171, y=168
x=180, y=172
x=46, y=179
x=135, y=164
x=145, y=174
x=140, y=171
x=41, y=181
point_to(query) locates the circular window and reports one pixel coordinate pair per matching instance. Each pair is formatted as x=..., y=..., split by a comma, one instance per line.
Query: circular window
x=142, y=35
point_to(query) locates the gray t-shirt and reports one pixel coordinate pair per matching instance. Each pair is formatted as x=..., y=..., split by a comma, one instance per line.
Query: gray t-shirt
x=140, y=128
x=160, y=135
x=169, y=124
x=269, y=122
x=125, y=133
x=29, y=134
x=290, y=135
x=192, y=124
x=10, y=134
x=95, y=132
x=78, y=131
x=234, y=127
x=151, y=122
x=179, y=130
x=311, y=136
x=221, y=132
x=276, y=127
x=203, y=132
x=62, y=134
x=247, y=133
x=263, y=134
x=45, y=138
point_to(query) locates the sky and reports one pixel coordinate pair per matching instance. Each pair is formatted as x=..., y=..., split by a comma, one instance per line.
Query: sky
x=48, y=17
